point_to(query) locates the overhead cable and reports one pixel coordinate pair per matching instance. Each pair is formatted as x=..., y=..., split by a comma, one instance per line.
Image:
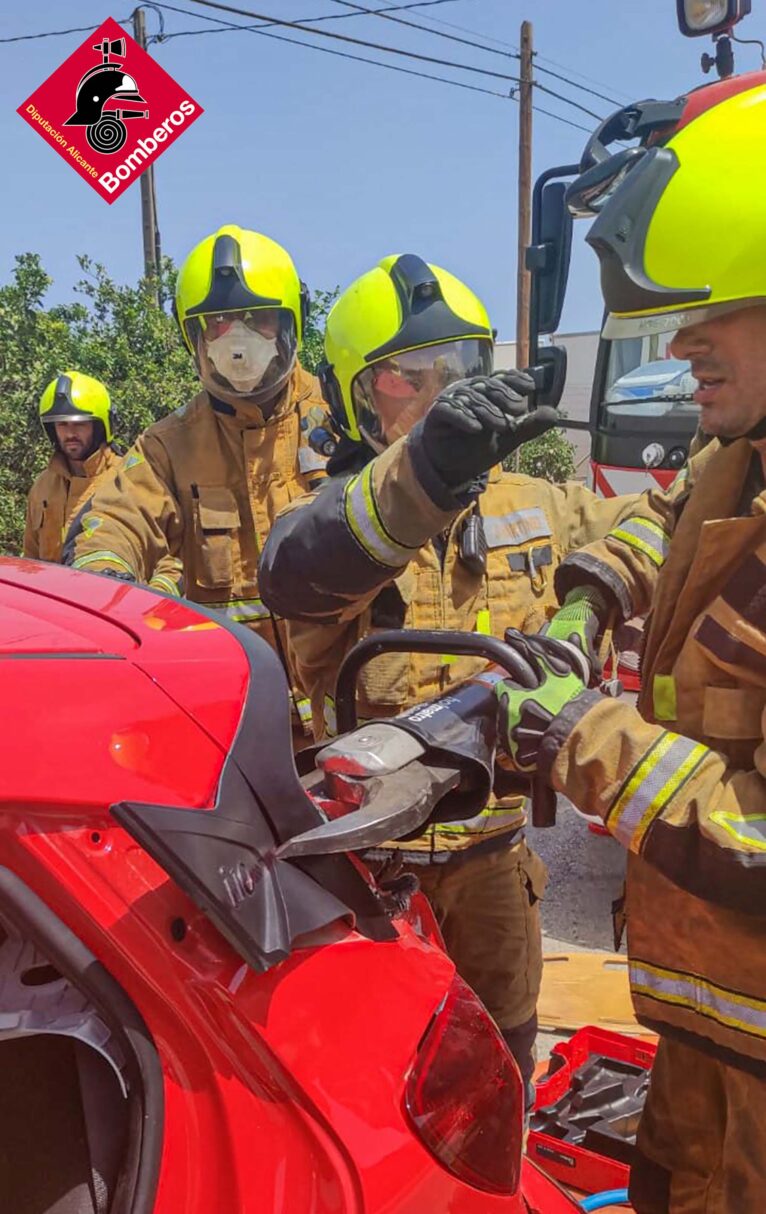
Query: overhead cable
x=508, y=46
x=228, y=27
x=388, y=15
x=78, y=29
x=84, y=29
x=390, y=50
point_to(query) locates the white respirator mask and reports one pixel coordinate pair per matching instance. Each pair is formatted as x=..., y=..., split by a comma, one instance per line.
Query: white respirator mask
x=242, y=356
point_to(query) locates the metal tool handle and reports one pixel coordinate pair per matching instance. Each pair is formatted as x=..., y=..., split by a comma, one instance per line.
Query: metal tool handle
x=463, y=644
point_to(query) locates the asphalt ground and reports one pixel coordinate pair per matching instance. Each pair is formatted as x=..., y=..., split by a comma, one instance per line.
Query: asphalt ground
x=585, y=875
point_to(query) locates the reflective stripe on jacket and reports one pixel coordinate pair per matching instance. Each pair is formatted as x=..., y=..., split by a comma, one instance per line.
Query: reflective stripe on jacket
x=682, y=781
x=358, y=556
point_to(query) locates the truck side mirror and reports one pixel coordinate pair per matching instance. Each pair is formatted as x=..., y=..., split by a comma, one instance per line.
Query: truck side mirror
x=549, y=373
x=548, y=256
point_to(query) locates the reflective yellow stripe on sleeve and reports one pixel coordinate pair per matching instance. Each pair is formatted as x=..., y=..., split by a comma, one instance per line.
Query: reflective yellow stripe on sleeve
x=304, y=709
x=645, y=536
x=330, y=719
x=103, y=557
x=654, y=781
x=242, y=611
x=366, y=525
x=165, y=584
x=749, y=830
x=700, y=995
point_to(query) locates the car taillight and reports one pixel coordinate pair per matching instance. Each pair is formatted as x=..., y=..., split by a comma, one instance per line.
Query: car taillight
x=465, y=1096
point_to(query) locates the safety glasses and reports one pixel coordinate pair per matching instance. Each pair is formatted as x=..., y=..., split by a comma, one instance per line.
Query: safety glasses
x=265, y=321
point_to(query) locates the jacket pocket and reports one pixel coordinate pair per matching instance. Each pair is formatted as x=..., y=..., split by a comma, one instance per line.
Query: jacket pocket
x=520, y=586
x=385, y=681
x=733, y=713
x=216, y=527
x=535, y=874
x=49, y=532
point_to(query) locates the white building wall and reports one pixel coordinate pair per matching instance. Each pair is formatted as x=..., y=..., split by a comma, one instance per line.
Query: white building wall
x=581, y=351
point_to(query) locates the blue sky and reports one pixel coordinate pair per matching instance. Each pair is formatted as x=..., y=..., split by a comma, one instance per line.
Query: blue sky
x=339, y=161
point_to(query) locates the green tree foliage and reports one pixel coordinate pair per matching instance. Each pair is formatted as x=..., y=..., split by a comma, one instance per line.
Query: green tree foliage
x=118, y=334
x=313, y=339
x=113, y=332
x=34, y=344
x=550, y=457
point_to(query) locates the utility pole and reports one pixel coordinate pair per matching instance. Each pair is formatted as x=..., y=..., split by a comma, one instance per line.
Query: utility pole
x=525, y=196
x=150, y=229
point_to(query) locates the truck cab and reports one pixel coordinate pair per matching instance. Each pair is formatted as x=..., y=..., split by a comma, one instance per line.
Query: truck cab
x=642, y=416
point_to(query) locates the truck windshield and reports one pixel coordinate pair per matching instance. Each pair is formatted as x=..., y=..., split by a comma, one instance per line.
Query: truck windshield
x=642, y=374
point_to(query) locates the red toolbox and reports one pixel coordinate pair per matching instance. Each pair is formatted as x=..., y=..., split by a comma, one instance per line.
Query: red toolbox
x=587, y=1108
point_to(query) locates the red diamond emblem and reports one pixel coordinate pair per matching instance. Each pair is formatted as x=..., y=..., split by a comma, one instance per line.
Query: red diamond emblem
x=110, y=110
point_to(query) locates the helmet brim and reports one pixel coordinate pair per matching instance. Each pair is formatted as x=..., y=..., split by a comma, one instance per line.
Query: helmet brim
x=645, y=324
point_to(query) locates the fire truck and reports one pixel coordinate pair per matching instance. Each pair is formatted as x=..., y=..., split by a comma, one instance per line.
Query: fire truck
x=642, y=413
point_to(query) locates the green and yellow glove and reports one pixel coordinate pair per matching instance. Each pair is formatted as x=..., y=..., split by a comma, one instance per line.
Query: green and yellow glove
x=525, y=714
x=579, y=622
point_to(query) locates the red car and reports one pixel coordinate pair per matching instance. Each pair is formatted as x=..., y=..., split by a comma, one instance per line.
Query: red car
x=199, y=1013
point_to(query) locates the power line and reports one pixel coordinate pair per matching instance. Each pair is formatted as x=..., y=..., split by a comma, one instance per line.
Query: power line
x=227, y=27
x=390, y=50
x=420, y=4
x=84, y=29
x=499, y=42
x=306, y=24
x=573, y=84
x=565, y=67
x=79, y=29
x=388, y=16
x=568, y=121
x=505, y=54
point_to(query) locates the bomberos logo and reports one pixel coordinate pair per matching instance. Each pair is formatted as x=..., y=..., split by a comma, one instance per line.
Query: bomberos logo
x=127, y=110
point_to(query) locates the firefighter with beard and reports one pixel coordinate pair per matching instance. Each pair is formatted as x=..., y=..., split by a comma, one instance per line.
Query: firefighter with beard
x=76, y=415
x=680, y=780
x=418, y=526
x=206, y=482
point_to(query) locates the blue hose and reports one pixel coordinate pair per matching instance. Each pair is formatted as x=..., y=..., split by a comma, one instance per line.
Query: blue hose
x=610, y=1197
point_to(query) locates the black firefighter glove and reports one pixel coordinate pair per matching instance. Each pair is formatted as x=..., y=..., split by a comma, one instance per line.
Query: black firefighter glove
x=119, y=575
x=473, y=425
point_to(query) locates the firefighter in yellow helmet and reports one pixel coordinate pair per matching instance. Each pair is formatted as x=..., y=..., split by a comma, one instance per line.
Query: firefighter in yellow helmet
x=76, y=415
x=206, y=482
x=681, y=779
x=418, y=526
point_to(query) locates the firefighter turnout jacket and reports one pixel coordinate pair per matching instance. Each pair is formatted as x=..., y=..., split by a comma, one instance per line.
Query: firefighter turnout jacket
x=56, y=496
x=682, y=781
x=370, y=550
x=205, y=484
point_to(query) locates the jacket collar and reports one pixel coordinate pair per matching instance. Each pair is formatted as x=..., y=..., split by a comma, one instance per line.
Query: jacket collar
x=250, y=417
x=96, y=463
x=725, y=470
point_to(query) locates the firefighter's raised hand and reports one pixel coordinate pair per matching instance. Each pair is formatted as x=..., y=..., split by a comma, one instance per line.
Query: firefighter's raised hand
x=475, y=424
x=525, y=714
